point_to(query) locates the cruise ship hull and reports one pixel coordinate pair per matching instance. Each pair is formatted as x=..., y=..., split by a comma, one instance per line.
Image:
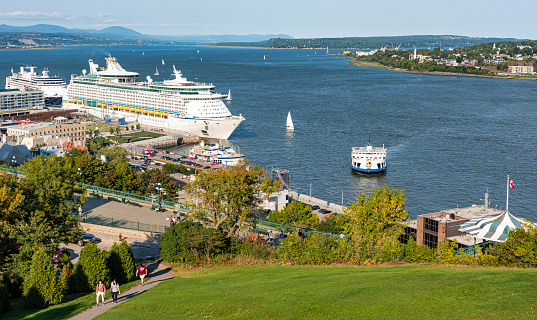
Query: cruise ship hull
x=217, y=128
x=369, y=171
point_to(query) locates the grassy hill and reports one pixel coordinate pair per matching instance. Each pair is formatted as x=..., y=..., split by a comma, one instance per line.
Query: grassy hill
x=336, y=292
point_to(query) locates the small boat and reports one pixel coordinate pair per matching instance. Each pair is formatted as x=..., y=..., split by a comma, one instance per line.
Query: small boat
x=289, y=125
x=228, y=98
x=263, y=57
x=162, y=61
x=156, y=72
x=143, y=53
x=368, y=159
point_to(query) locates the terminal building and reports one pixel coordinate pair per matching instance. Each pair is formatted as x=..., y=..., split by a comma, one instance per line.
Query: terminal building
x=13, y=99
x=433, y=228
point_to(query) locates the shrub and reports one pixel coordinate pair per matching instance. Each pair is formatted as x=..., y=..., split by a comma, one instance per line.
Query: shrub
x=42, y=286
x=120, y=262
x=127, y=260
x=77, y=281
x=93, y=264
x=13, y=283
x=190, y=242
x=4, y=298
x=251, y=248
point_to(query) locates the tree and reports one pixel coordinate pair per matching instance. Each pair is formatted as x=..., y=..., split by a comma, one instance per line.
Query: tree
x=121, y=262
x=118, y=130
x=93, y=263
x=11, y=209
x=138, y=126
x=132, y=128
x=229, y=195
x=127, y=260
x=153, y=177
x=115, y=155
x=111, y=130
x=42, y=286
x=372, y=221
x=51, y=189
x=4, y=298
x=297, y=214
x=96, y=132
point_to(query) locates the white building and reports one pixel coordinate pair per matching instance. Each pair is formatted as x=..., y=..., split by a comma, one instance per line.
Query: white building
x=13, y=99
x=521, y=69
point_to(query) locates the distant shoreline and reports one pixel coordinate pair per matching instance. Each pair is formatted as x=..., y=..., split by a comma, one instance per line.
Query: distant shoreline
x=376, y=65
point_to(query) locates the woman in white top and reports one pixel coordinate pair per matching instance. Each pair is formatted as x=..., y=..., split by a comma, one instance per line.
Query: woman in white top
x=114, y=290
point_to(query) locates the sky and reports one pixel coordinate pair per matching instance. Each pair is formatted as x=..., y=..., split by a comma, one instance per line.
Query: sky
x=297, y=18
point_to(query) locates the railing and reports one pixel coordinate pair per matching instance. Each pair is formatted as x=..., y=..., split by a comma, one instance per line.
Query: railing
x=124, y=224
x=264, y=224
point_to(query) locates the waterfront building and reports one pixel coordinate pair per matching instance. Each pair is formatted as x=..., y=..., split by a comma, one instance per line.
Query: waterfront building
x=58, y=129
x=13, y=99
x=433, y=228
x=521, y=69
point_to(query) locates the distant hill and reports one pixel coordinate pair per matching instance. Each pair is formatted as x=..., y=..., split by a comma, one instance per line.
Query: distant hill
x=419, y=41
x=117, y=32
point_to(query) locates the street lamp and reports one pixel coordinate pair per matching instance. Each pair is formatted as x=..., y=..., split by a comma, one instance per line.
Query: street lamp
x=159, y=195
x=79, y=172
x=310, y=187
x=342, y=197
x=13, y=165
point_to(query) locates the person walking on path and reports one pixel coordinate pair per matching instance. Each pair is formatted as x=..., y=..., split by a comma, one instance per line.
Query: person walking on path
x=100, y=291
x=114, y=290
x=271, y=237
x=142, y=270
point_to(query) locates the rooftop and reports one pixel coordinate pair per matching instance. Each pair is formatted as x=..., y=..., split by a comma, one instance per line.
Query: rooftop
x=468, y=213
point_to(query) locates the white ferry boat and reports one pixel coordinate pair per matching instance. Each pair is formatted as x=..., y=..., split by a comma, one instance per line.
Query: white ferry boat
x=52, y=87
x=214, y=153
x=369, y=160
x=113, y=92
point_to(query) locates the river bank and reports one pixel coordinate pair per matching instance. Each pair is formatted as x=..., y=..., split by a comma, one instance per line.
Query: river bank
x=376, y=65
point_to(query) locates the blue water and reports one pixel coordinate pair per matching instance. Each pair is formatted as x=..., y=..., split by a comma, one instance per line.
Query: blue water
x=449, y=138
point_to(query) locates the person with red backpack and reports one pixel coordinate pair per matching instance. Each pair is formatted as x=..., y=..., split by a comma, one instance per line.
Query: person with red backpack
x=142, y=270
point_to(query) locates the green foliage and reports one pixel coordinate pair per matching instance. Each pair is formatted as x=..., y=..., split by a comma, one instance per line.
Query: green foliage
x=4, y=298
x=172, y=168
x=13, y=283
x=115, y=154
x=51, y=189
x=314, y=249
x=42, y=286
x=150, y=180
x=296, y=214
x=121, y=263
x=76, y=280
x=252, y=249
x=93, y=263
x=191, y=243
x=331, y=224
x=11, y=209
x=520, y=249
x=227, y=196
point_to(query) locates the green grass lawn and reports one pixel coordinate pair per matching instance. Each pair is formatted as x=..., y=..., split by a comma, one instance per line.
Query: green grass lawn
x=71, y=306
x=101, y=126
x=337, y=292
x=135, y=136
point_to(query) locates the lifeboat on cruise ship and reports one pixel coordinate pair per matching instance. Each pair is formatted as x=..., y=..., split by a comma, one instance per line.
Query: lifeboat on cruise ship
x=99, y=104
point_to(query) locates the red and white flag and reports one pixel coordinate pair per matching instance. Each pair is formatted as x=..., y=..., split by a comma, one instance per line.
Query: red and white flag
x=511, y=183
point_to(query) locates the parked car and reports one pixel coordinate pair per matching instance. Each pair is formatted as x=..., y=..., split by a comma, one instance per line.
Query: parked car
x=324, y=211
x=315, y=208
x=87, y=237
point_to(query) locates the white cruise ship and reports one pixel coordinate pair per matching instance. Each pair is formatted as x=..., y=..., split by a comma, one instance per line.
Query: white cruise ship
x=216, y=154
x=52, y=87
x=369, y=160
x=113, y=92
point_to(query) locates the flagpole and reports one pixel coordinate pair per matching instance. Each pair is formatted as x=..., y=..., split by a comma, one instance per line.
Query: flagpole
x=507, y=201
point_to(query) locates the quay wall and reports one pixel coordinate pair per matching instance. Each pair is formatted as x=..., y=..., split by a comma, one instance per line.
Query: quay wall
x=315, y=202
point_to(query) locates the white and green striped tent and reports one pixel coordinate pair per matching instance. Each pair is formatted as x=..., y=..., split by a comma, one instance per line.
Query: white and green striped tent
x=495, y=228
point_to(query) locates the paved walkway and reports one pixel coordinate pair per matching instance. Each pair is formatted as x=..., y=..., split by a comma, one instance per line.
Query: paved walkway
x=157, y=273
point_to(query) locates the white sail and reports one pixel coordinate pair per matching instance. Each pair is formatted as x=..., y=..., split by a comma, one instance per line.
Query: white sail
x=289, y=125
x=228, y=98
x=156, y=72
x=162, y=61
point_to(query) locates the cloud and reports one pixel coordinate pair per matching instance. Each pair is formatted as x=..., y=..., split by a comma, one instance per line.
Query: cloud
x=36, y=15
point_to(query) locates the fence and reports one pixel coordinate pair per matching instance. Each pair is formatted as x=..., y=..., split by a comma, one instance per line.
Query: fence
x=125, y=224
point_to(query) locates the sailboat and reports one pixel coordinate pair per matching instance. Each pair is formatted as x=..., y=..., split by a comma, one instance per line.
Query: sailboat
x=228, y=98
x=263, y=57
x=156, y=72
x=162, y=61
x=289, y=125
